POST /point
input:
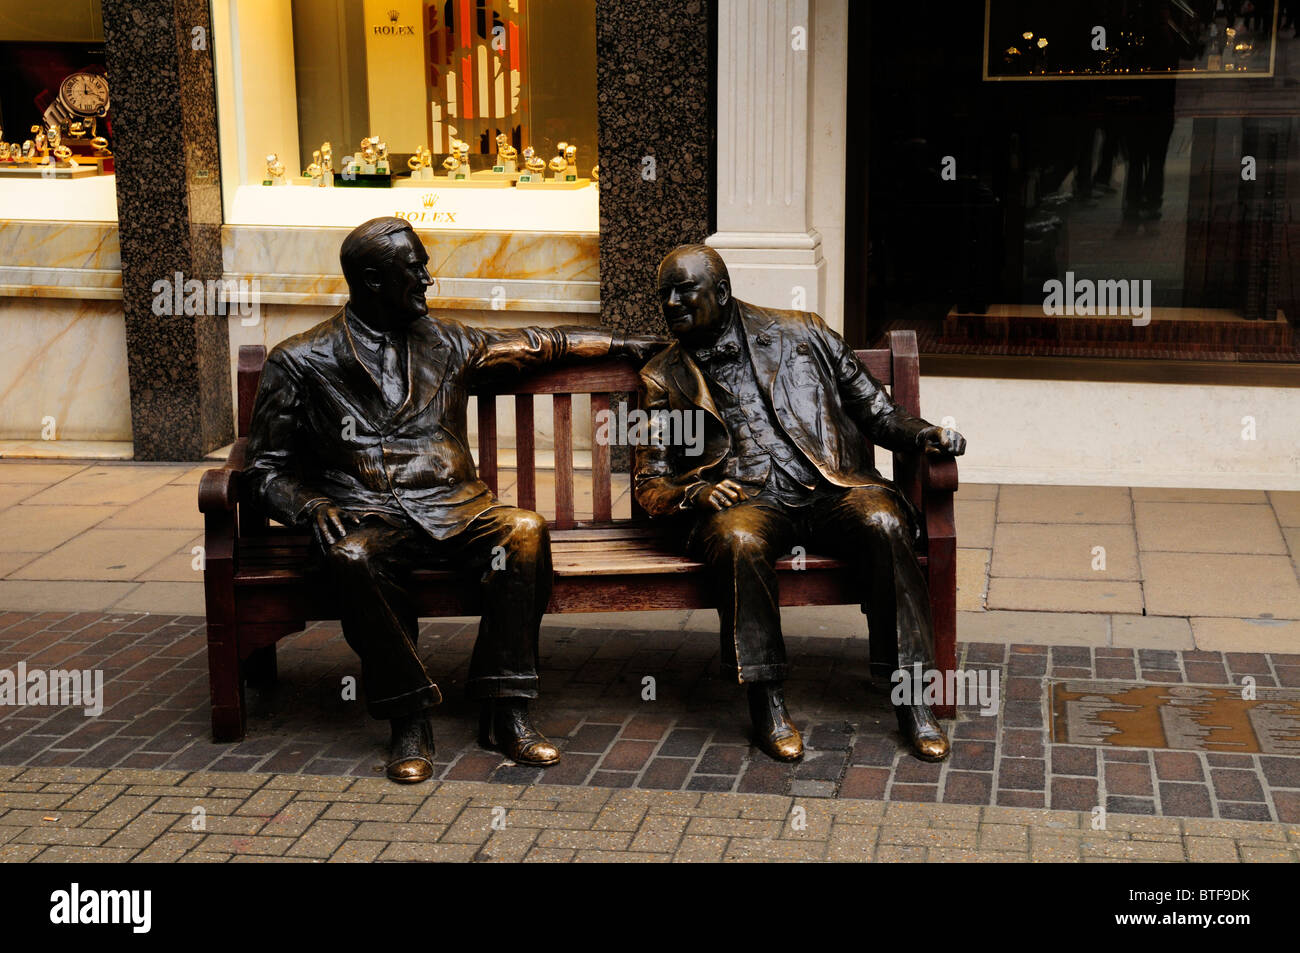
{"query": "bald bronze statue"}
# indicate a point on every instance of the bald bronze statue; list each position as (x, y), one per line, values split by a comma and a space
(788, 412)
(359, 433)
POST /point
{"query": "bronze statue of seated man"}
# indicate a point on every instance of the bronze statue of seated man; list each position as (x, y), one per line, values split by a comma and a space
(359, 432)
(788, 410)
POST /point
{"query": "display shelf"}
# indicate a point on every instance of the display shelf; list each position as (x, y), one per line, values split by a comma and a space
(86, 199)
(478, 209)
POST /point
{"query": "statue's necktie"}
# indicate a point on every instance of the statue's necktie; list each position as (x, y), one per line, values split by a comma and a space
(724, 352)
(392, 383)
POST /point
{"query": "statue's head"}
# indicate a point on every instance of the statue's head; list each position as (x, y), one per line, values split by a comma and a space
(695, 291)
(385, 265)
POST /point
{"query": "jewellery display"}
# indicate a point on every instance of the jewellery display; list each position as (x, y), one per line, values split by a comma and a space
(535, 165)
(560, 163)
(369, 166)
(421, 165)
(506, 155)
(459, 175)
(313, 170)
(66, 142)
(44, 156)
(457, 163)
(326, 164)
(564, 170)
(83, 99)
(274, 171)
(503, 166)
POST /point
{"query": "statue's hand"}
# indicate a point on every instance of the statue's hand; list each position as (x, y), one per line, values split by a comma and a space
(719, 496)
(942, 442)
(326, 521)
(640, 347)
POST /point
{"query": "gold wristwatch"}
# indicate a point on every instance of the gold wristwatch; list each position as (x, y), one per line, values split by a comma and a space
(83, 99)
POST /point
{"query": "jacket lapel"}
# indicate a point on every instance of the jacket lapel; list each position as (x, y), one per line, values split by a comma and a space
(690, 382)
(339, 358)
(427, 357)
(763, 335)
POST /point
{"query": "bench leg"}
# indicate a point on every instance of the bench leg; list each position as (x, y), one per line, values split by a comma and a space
(260, 668)
(226, 687)
(943, 610)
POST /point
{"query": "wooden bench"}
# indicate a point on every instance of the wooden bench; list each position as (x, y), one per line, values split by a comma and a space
(260, 584)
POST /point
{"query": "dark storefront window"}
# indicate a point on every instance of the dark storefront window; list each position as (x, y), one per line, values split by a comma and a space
(1085, 179)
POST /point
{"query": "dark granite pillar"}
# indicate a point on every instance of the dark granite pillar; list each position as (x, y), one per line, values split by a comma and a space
(654, 82)
(169, 214)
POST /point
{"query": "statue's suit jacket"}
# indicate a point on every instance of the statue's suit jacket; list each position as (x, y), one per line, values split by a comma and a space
(822, 396)
(321, 429)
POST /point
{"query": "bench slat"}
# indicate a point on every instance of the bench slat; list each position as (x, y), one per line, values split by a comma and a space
(563, 416)
(638, 511)
(601, 501)
(525, 451)
(589, 377)
(487, 440)
(880, 363)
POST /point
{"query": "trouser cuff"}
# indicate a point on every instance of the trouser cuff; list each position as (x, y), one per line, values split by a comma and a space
(502, 686)
(405, 705)
(746, 674)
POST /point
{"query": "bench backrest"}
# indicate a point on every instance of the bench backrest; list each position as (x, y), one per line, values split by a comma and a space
(897, 366)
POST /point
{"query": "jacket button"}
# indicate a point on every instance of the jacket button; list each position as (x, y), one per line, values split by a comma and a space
(451, 481)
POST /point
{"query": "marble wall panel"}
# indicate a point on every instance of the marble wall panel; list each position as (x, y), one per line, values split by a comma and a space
(60, 260)
(67, 360)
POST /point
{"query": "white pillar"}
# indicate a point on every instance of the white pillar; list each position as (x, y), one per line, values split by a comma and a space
(765, 231)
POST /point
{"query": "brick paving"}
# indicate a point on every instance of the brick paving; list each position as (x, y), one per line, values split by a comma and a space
(691, 738)
(88, 815)
(1196, 587)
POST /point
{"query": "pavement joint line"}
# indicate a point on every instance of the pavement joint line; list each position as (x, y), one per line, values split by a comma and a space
(947, 832)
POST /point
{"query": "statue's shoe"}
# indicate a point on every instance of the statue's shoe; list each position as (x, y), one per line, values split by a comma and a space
(923, 731)
(506, 726)
(411, 751)
(773, 731)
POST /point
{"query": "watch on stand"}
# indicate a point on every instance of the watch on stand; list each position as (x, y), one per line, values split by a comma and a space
(82, 101)
(504, 169)
(564, 169)
(274, 171)
(368, 167)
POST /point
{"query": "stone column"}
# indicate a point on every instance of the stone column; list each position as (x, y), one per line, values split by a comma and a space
(764, 211)
(169, 212)
(656, 167)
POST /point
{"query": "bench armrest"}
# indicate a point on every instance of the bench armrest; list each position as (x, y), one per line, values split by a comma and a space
(219, 487)
(219, 490)
(939, 475)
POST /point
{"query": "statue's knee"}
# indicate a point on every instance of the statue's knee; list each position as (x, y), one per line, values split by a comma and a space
(739, 542)
(881, 516)
(348, 555)
(527, 530)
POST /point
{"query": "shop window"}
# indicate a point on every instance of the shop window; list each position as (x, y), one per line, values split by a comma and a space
(56, 117)
(457, 114)
(1086, 179)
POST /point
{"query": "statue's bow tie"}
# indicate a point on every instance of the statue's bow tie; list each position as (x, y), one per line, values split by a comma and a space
(726, 351)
